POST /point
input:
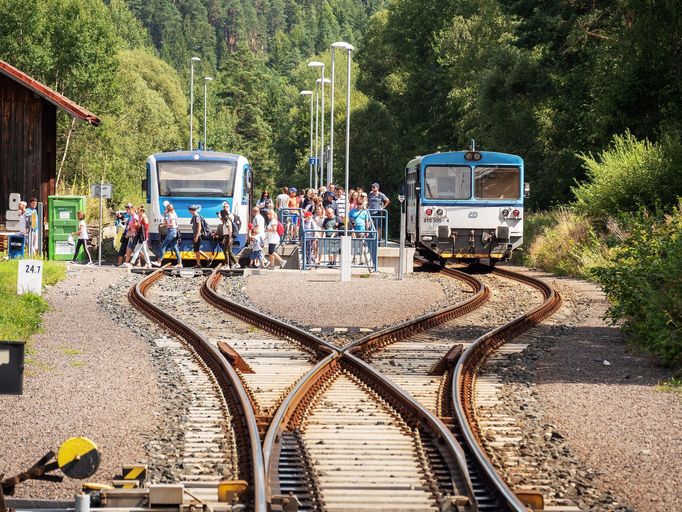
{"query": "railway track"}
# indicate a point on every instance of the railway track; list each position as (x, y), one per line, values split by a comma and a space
(222, 425)
(422, 361)
(345, 437)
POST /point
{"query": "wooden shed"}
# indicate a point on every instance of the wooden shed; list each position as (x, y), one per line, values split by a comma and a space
(28, 135)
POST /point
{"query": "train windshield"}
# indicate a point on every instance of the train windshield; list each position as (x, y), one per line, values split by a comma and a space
(497, 182)
(447, 182)
(191, 178)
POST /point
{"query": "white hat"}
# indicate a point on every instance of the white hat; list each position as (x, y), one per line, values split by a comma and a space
(165, 203)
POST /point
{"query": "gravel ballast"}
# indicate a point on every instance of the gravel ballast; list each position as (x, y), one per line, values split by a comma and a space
(87, 376)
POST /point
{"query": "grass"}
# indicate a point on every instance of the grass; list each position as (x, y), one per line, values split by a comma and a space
(21, 315)
(673, 385)
(71, 351)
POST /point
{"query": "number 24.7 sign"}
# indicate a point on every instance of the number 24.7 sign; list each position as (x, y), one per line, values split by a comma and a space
(30, 277)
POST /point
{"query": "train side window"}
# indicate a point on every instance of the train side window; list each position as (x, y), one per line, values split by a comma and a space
(447, 182)
(247, 185)
(497, 182)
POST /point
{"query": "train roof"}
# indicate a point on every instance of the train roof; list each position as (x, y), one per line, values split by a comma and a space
(458, 157)
(191, 155)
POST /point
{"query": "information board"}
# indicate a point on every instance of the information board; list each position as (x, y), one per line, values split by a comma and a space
(106, 191)
(30, 277)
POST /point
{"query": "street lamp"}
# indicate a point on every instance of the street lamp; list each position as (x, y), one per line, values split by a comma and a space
(317, 64)
(310, 158)
(191, 100)
(345, 240)
(206, 80)
(330, 167)
(321, 82)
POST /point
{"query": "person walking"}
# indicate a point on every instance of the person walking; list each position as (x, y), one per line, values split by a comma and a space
(82, 234)
(170, 223)
(273, 239)
(226, 235)
(195, 222)
(142, 237)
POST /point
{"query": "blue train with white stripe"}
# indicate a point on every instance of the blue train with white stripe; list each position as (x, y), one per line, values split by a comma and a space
(465, 205)
(204, 178)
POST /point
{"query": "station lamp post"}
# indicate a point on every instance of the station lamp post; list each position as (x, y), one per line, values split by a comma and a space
(330, 166)
(206, 80)
(321, 82)
(310, 157)
(345, 239)
(191, 100)
(317, 64)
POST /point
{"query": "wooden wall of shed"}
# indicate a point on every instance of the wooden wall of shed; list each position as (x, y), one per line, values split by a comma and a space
(28, 131)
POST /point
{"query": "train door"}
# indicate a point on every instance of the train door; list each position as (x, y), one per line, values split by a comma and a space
(411, 198)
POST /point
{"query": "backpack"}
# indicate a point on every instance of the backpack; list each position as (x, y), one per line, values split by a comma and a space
(280, 228)
(205, 228)
(236, 224)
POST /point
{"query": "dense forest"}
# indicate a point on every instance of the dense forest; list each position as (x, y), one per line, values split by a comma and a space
(588, 92)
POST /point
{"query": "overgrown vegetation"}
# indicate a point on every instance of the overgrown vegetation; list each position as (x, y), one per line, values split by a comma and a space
(625, 231)
(21, 315)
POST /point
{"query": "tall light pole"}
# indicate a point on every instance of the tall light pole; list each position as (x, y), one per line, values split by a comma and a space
(191, 100)
(310, 157)
(345, 240)
(330, 166)
(206, 80)
(317, 131)
(321, 82)
(317, 64)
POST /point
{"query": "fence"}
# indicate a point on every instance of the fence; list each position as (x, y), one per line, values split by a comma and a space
(321, 248)
(291, 219)
(380, 220)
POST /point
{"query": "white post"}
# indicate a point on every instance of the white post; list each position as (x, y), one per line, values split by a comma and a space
(317, 125)
(191, 100)
(206, 80)
(322, 131)
(330, 165)
(99, 258)
(346, 240)
(401, 259)
(310, 179)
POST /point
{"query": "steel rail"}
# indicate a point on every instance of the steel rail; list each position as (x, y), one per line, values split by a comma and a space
(230, 384)
(464, 377)
(380, 339)
(277, 327)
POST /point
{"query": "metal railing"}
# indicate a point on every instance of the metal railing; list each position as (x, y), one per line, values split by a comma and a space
(322, 249)
(380, 221)
(291, 219)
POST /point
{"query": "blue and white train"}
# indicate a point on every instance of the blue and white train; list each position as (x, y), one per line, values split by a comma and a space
(465, 205)
(203, 178)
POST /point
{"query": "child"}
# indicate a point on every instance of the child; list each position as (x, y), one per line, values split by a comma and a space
(256, 242)
(82, 238)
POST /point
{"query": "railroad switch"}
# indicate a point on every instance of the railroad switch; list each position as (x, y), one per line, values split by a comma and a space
(532, 499)
(455, 504)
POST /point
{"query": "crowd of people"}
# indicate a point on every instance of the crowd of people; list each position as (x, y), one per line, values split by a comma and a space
(321, 212)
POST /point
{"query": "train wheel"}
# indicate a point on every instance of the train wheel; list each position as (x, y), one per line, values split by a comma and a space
(441, 262)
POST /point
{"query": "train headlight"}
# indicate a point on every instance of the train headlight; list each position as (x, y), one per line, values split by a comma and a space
(428, 211)
(516, 213)
(505, 212)
(440, 212)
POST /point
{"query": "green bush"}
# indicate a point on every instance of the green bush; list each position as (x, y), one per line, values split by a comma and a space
(21, 315)
(563, 242)
(628, 175)
(643, 281)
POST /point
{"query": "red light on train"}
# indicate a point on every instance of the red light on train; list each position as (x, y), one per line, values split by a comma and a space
(516, 213)
(428, 211)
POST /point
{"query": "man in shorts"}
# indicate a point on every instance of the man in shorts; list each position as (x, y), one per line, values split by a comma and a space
(196, 232)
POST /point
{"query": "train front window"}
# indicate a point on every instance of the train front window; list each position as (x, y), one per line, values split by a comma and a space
(189, 178)
(497, 182)
(447, 182)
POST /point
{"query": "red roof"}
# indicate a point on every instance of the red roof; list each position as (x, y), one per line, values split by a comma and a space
(52, 96)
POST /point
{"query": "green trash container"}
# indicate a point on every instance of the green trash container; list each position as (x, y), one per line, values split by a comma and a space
(63, 221)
